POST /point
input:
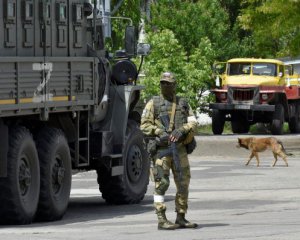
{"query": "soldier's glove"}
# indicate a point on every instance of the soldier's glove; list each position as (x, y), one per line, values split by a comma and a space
(163, 139)
(177, 135)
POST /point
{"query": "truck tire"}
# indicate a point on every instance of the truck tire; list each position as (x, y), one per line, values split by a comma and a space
(56, 174)
(240, 127)
(278, 120)
(131, 186)
(294, 122)
(239, 124)
(20, 189)
(218, 121)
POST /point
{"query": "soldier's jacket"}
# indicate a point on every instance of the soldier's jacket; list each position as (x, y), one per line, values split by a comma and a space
(184, 116)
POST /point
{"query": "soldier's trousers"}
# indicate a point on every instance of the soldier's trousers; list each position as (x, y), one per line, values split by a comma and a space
(163, 167)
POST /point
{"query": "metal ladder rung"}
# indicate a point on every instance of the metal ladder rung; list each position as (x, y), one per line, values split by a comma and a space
(115, 155)
(83, 139)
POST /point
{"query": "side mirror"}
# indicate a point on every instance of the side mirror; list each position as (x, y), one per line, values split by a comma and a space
(87, 9)
(130, 41)
(219, 68)
(143, 49)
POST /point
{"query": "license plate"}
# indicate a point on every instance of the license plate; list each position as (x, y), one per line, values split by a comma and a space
(245, 107)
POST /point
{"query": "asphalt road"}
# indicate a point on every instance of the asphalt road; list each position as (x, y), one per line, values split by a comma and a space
(227, 199)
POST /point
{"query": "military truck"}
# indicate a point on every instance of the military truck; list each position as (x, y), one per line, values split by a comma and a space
(64, 106)
(250, 91)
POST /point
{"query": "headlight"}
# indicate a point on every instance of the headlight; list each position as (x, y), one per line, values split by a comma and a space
(223, 96)
(264, 96)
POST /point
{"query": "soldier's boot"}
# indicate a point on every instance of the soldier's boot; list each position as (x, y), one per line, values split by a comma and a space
(164, 223)
(183, 223)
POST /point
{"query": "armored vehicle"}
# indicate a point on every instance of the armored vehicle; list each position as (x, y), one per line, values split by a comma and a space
(253, 91)
(65, 106)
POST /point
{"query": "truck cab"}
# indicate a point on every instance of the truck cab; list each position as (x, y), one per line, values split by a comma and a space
(251, 90)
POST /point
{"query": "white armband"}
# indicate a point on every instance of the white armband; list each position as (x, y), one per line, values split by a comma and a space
(158, 198)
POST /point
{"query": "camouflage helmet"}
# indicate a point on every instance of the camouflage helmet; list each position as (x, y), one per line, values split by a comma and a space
(168, 77)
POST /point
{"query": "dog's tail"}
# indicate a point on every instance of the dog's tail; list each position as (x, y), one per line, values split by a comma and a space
(283, 149)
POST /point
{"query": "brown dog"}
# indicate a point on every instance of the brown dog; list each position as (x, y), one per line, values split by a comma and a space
(256, 145)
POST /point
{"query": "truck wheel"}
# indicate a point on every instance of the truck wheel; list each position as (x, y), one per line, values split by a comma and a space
(20, 189)
(240, 127)
(278, 120)
(131, 186)
(294, 123)
(239, 124)
(218, 121)
(56, 174)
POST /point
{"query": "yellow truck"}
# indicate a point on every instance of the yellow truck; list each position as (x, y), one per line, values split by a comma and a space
(255, 90)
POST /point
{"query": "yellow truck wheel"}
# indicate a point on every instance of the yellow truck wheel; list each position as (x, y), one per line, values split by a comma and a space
(218, 121)
(278, 120)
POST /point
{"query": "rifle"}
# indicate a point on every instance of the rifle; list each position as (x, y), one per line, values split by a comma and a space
(171, 151)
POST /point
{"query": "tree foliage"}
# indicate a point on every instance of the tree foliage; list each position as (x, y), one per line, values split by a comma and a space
(129, 9)
(275, 25)
(186, 38)
(190, 21)
(167, 54)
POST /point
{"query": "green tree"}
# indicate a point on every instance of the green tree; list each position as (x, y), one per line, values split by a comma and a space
(167, 54)
(198, 74)
(129, 9)
(190, 21)
(186, 38)
(275, 25)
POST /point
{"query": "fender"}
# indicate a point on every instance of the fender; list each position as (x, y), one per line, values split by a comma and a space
(126, 97)
(111, 131)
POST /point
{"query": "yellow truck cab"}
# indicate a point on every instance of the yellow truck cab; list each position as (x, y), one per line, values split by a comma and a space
(269, 72)
(253, 90)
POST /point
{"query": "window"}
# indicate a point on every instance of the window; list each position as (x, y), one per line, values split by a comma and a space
(239, 69)
(264, 69)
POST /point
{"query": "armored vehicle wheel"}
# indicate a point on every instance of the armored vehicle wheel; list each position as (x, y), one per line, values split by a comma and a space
(56, 174)
(294, 123)
(20, 189)
(278, 120)
(131, 186)
(218, 121)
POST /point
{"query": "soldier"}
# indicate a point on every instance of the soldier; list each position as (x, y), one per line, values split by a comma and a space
(181, 123)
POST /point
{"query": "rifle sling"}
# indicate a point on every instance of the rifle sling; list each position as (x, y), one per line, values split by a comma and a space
(171, 125)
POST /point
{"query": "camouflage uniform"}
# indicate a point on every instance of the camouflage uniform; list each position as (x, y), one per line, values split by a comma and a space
(184, 122)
